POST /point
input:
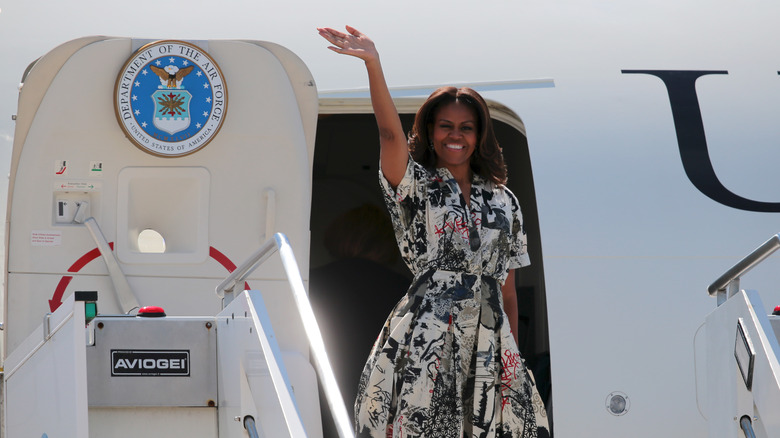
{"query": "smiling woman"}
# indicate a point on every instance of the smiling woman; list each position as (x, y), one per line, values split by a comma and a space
(446, 362)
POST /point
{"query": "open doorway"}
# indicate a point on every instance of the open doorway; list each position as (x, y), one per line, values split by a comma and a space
(345, 178)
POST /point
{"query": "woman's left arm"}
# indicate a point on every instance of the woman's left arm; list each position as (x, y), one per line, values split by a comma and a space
(509, 295)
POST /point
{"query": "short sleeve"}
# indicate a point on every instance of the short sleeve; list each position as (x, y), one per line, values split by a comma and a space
(404, 201)
(518, 242)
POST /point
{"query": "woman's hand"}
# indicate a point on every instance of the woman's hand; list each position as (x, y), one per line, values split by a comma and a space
(393, 150)
(354, 43)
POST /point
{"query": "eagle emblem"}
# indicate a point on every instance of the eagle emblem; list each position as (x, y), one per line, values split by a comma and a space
(171, 76)
(171, 98)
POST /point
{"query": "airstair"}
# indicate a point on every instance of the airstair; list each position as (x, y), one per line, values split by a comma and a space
(55, 381)
(742, 366)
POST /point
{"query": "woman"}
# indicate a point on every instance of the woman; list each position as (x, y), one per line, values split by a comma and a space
(446, 363)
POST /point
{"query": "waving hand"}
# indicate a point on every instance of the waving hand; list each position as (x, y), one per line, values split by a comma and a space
(394, 151)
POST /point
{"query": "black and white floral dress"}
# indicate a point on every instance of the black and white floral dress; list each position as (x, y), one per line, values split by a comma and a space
(445, 364)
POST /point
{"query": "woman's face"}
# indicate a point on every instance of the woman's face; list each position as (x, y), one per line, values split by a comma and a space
(454, 136)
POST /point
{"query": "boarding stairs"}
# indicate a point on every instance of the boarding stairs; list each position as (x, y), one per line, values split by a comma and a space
(72, 376)
(742, 363)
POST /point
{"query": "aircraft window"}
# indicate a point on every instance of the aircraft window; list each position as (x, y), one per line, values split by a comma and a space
(150, 241)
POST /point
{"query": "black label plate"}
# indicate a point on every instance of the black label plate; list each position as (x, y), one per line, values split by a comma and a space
(150, 363)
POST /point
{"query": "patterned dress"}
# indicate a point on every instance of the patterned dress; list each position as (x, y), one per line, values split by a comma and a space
(445, 363)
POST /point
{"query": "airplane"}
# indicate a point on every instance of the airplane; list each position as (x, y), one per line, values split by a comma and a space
(644, 169)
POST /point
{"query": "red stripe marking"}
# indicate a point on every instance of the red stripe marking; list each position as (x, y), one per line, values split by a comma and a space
(56, 300)
(59, 291)
(224, 261)
(86, 258)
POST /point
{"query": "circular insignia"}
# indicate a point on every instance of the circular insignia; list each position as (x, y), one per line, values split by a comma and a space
(170, 98)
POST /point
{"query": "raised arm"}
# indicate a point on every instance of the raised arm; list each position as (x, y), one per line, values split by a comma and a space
(394, 151)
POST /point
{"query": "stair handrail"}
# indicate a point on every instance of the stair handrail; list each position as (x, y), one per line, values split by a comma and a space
(226, 289)
(251, 427)
(279, 243)
(747, 427)
(730, 279)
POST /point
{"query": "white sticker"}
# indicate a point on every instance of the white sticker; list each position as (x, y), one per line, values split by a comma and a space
(95, 167)
(46, 238)
(77, 186)
(61, 167)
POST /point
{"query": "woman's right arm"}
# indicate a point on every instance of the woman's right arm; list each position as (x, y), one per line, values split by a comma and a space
(394, 151)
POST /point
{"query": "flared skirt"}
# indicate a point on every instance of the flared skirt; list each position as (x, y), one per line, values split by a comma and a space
(446, 365)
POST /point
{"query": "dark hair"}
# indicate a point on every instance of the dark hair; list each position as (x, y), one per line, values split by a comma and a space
(487, 160)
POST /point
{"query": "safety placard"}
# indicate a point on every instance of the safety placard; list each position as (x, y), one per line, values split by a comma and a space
(45, 238)
(77, 186)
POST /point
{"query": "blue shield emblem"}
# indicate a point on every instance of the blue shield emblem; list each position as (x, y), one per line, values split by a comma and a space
(171, 110)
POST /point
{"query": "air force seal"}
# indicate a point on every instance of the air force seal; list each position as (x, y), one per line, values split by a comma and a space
(170, 98)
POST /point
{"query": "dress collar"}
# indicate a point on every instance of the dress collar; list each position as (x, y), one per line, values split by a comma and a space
(446, 175)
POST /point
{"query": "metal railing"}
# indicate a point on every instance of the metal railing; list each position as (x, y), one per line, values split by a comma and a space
(251, 427)
(226, 290)
(747, 427)
(729, 281)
